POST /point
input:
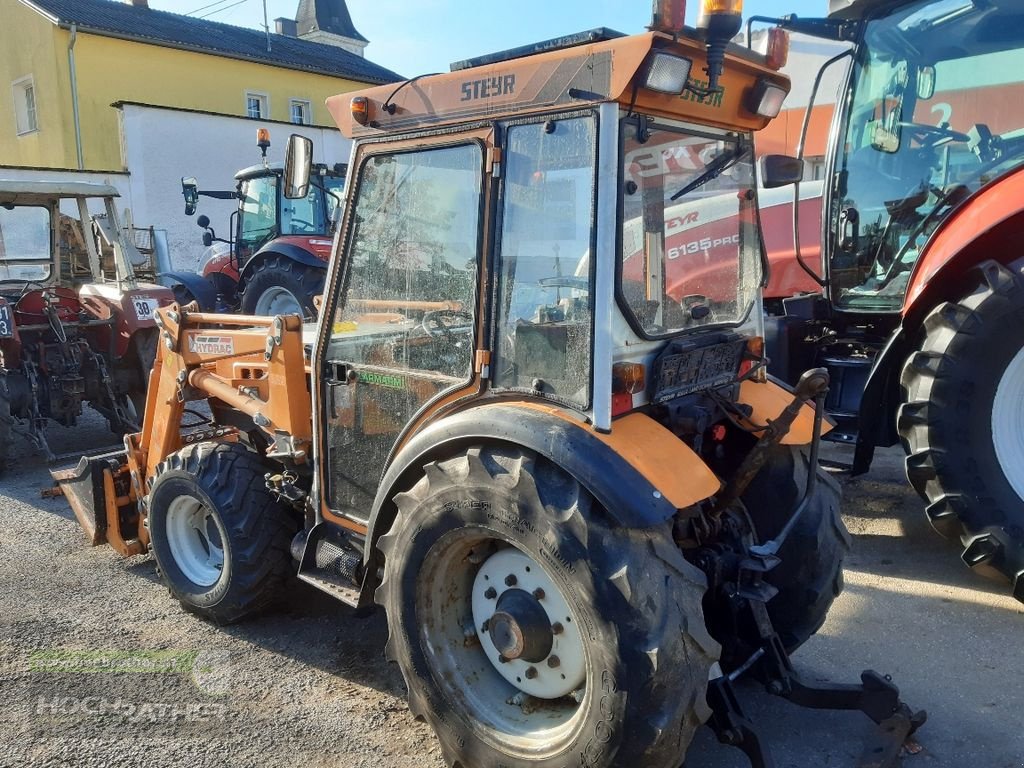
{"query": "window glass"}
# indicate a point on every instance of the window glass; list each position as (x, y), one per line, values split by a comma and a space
(25, 250)
(300, 112)
(412, 263)
(690, 251)
(304, 216)
(258, 211)
(545, 301)
(256, 106)
(935, 115)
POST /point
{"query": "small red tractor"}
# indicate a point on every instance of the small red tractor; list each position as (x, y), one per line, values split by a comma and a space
(275, 259)
(914, 301)
(583, 504)
(76, 324)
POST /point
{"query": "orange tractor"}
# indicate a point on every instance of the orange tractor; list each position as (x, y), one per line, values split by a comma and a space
(584, 506)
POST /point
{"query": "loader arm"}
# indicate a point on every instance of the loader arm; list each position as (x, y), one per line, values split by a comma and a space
(250, 364)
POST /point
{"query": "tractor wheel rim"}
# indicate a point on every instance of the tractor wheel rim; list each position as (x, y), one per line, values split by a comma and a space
(1008, 423)
(472, 614)
(195, 541)
(278, 301)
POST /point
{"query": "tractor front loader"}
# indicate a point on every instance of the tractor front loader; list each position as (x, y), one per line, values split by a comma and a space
(558, 464)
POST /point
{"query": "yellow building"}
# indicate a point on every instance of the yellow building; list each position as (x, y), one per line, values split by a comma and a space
(64, 63)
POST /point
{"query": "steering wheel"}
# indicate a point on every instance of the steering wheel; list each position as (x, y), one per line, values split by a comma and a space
(434, 326)
(307, 226)
(932, 135)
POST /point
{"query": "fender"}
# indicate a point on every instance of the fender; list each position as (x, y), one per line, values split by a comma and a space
(987, 225)
(289, 250)
(640, 472)
(201, 287)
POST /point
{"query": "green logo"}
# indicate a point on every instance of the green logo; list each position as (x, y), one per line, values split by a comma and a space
(382, 380)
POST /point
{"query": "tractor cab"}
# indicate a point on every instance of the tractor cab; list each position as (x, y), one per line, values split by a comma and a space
(276, 247)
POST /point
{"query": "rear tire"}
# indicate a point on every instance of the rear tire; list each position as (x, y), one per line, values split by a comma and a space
(962, 422)
(644, 654)
(810, 576)
(279, 285)
(220, 539)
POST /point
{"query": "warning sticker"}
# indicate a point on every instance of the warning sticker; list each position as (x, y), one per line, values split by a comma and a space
(211, 345)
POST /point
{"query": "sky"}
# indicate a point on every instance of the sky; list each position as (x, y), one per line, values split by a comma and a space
(415, 37)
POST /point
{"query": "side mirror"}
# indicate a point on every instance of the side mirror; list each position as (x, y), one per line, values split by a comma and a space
(190, 191)
(780, 170)
(925, 82)
(298, 160)
(203, 221)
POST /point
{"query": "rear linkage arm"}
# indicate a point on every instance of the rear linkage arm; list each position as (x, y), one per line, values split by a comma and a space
(876, 695)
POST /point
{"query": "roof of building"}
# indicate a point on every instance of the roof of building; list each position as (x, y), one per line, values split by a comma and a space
(147, 25)
(328, 16)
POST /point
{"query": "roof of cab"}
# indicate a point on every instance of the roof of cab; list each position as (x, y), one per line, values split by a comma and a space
(28, 192)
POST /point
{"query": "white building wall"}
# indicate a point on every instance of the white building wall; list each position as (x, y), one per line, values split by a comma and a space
(161, 145)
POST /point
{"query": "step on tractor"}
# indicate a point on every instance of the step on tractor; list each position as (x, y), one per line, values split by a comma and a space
(275, 258)
(77, 324)
(919, 317)
(583, 505)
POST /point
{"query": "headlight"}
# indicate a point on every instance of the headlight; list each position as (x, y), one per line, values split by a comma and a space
(766, 99)
(667, 73)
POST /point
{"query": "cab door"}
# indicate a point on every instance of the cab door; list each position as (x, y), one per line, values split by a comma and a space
(403, 314)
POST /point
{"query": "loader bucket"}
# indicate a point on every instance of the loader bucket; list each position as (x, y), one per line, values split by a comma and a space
(83, 486)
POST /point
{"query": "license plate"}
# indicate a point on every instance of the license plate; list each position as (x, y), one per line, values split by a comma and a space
(6, 326)
(698, 369)
(145, 309)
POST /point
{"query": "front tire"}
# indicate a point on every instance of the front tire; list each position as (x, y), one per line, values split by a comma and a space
(220, 539)
(962, 422)
(280, 286)
(626, 688)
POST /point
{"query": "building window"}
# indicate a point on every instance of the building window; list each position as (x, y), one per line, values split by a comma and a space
(25, 105)
(256, 106)
(301, 111)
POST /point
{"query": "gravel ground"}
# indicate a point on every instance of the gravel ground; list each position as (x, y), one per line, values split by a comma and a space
(99, 667)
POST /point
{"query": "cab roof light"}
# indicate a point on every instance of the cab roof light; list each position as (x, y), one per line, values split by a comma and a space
(777, 53)
(765, 99)
(360, 107)
(668, 16)
(667, 73)
(263, 140)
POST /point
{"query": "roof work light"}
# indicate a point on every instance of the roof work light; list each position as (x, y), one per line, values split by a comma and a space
(719, 21)
(360, 107)
(667, 73)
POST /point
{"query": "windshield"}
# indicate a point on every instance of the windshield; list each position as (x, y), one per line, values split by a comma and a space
(258, 213)
(690, 251)
(25, 252)
(937, 112)
(312, 214)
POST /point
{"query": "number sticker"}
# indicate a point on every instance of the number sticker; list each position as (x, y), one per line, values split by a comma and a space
(145, 309)
(6, 328)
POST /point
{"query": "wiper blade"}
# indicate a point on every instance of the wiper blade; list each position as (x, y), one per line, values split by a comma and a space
(713, 170)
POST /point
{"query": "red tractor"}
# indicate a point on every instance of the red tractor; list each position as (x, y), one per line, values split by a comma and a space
(918, 312)
(275, 260)
(76, 325)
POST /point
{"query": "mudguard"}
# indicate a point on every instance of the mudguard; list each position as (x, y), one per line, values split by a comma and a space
(278, 248)
(204, 290)
(640, 476)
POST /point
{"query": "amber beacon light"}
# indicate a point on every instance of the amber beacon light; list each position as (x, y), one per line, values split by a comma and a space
(719, 21)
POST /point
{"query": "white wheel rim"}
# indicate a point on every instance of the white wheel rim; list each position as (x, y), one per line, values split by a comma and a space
(278, 301)
(195, 541)
(528, 716)
(1008, 423)
(560, 672)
